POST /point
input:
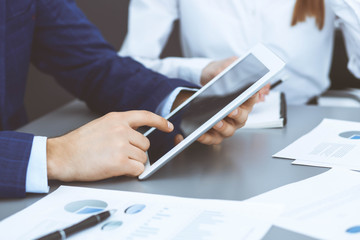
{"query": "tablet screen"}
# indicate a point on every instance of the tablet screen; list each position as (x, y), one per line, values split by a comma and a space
(214, 98)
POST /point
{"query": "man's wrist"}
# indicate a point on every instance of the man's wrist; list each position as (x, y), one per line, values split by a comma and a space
(53, 152)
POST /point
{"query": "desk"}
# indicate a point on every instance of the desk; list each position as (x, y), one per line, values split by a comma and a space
(241, 168)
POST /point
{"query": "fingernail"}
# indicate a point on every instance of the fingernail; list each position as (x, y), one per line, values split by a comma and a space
(219, 124)
(235, 112)
(170, 125)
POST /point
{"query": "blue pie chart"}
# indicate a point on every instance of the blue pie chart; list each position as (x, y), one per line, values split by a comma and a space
(353, 135)
(86, 206)
(136, 208)
(111, 225)
(353, 230)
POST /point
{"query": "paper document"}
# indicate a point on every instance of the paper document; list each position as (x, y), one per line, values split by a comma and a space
(268, 114)
(326, 206)
(140, 216)
(332, 143)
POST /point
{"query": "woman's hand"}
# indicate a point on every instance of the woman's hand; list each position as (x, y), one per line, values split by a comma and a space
(214, 68)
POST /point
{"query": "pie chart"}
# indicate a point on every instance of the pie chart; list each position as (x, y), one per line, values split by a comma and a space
(353, 135)
(86, 206)
(134, 209)
(111, 225)
(353, 230)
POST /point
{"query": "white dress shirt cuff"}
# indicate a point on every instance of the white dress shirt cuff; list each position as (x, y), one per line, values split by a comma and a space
(36, 176)
(165, 106)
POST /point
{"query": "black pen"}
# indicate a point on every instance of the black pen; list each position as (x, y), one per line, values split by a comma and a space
(87, 223)
(275, 84)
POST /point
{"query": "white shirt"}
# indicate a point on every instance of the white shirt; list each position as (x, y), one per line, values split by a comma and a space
(216, 29)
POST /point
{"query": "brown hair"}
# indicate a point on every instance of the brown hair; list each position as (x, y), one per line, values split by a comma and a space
(309, 8)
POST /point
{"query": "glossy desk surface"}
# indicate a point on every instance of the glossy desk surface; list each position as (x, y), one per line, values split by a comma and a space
(240, 168)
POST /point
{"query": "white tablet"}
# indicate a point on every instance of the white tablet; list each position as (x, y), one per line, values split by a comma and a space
(211, 103)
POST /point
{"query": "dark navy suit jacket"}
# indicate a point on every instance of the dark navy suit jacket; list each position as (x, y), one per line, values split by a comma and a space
(58, 39)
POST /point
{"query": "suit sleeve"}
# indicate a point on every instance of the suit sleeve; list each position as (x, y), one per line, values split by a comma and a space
(15, 150)
(67, 46)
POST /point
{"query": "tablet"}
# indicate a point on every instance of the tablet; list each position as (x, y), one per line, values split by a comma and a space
(210, 104)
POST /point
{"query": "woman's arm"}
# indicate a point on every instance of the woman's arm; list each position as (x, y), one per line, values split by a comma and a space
(150, 25)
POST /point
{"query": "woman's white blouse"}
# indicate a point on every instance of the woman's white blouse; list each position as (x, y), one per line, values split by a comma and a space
(216, 29)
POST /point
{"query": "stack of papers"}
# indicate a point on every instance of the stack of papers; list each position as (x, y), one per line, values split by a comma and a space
(140, 216)
(333, 143)
(268, 114)
(325, 206)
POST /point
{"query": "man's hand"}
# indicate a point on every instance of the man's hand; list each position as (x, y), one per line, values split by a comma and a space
(106, 147)
(214, 68)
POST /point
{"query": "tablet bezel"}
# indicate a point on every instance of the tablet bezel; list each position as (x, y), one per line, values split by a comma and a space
(272, 62)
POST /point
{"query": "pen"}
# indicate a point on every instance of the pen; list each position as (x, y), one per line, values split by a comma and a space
(87, 223)
(275, 84)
